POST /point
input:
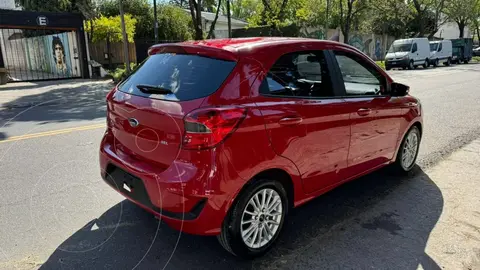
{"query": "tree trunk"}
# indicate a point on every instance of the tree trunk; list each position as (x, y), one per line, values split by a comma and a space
(90, 38)
(212, 26)
(196, 13)
(348, 22)
(461, 28)
(478, 33)
(110, 66)
(229, 19)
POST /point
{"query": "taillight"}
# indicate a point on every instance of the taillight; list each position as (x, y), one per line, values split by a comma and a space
(207, 127)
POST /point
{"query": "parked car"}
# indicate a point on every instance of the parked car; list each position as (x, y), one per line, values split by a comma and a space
(440, 52)
(476, 51)
(408, 53)
(223, 137)
(462, 50)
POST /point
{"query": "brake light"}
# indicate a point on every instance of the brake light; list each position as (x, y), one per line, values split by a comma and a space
(206, 128)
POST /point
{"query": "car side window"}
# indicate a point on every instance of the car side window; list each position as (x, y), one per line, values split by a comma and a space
(440, 47)
(414, 47)
(360, 78)
(299, 74)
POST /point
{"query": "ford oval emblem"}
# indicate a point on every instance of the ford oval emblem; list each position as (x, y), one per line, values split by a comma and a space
(133, 122)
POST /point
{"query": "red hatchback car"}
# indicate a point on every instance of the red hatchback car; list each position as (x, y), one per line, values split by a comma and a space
(223, 137)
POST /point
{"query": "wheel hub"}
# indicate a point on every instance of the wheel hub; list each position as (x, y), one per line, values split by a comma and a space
(261, 218)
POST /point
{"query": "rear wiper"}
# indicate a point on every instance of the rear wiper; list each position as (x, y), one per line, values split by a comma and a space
(152, 89)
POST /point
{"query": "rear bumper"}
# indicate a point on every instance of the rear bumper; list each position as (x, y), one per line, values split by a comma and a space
(175, 195)
(396, 63)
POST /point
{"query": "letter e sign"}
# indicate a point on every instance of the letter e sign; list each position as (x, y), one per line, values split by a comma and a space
(42, 20)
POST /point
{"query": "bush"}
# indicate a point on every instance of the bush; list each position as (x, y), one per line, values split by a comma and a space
(381, 64)
(476, 58)
(120, 73)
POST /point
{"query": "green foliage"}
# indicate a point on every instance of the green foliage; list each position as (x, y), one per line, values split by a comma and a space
(139, 9)
(174, 23)
(120, 73)
(380, 64)
(111, 27)
(241, 9)
(86, 7)
(311, 13)
(390, 17)
(276, 13)
(462, 11)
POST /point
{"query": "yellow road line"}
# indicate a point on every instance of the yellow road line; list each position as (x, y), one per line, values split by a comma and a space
(51, 133)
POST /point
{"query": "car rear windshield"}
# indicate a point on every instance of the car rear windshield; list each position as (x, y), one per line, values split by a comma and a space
(181, 76)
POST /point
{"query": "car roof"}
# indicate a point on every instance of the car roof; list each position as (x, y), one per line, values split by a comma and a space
(251, 45)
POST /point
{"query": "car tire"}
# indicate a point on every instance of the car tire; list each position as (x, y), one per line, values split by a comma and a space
(448, 63)
(404, 68)
(465, 61)
(388, 68)
(411, 65)
(408, 151)
(436, 63)
(426, 64)
(231, 236)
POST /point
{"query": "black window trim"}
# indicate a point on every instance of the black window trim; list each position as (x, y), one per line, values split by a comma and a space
(330, 66)
(341, 84)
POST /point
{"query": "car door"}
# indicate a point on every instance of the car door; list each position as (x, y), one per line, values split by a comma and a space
(416, 57)
(375, 116)
(306, 120)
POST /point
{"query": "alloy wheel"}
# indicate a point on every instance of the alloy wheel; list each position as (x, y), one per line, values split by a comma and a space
(409, 151)
(261, 218)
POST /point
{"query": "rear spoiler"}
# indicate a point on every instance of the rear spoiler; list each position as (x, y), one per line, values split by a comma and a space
(185, 48)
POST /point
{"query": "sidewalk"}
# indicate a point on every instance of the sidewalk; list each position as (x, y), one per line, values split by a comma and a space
(454, 243)
(428, 221)
(26, 94)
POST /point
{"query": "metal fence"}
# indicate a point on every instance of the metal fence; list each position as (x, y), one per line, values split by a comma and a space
(40, 54)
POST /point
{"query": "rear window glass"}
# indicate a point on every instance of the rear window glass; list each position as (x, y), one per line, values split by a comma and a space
(186, 76)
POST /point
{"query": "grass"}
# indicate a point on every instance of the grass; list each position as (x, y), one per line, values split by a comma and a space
(381, 64)
(476, 58)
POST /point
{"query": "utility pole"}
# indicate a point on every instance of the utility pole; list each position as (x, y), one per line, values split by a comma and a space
(125, 40)
(326, 20)
(155, 20)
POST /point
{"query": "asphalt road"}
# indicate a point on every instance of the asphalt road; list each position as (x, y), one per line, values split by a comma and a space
(56, 212)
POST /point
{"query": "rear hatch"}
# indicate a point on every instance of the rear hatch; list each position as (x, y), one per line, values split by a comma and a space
(146, 111)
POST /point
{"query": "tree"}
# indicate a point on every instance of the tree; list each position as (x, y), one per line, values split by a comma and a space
(109, 29)
(196, 13)
(462, 12)
(212, 26)
(174, 23)
(389, 17)
(139, 9)
(349, 11)
(241, 9)
(274, 13)
(86, 7)
(427, 16)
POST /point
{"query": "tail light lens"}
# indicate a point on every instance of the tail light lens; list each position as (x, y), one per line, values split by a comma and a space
(206, 128)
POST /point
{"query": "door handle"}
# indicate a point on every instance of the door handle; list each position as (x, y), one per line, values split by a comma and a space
(290, 121)
(364, 112)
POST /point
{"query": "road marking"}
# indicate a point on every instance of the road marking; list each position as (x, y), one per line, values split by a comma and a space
(51, 133)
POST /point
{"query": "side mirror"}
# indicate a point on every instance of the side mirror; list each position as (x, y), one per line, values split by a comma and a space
(399, 89)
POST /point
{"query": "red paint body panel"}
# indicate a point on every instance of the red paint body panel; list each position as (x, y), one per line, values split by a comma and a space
(331, 144)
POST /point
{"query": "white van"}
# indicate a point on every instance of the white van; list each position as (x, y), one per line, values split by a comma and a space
(408, 53)
(440, 52)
